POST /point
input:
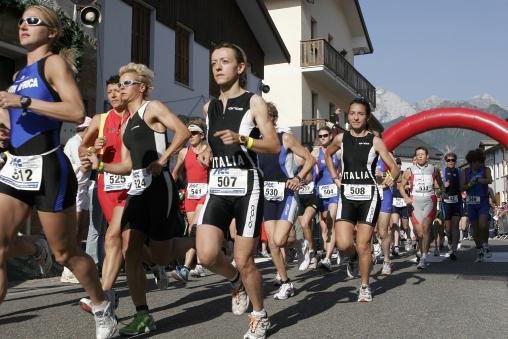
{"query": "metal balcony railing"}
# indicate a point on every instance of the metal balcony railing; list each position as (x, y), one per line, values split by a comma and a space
(318, 52)
(310, 128)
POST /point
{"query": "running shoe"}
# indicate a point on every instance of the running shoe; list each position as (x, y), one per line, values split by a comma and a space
(86, 303)
(285, 291)
(265, 254)
(340, 259)
(258, 325)
(364, 294)
(105, 321)
(352, 267)
(160, 276)
(180, 273)
(479, 255)
(486, 251)
(326, 264)
(306, 261)
(142, 323)
(302, 248)
(376, 253)
(387, 268)
(44, 259)
(68, 277)
(396, 251)
(313, 261)
(409, 245)
(239, 301)
(198, 271)
(459, 246)
(421, 264)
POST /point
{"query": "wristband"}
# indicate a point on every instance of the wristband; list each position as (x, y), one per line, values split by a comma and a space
(100, 168)
(250, 142)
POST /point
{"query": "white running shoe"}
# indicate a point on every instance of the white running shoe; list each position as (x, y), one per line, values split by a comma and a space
(105, 321)
(160, 276)
(86, 304)
(285, 291)
(257, 327)
(352, 268)
(198, 271)
(364, 294)
(387, 268)
(68, 277)
(422, 263)
(376, 254)
(44, 260)
(326, 264)
(306, 261)
(239, 301)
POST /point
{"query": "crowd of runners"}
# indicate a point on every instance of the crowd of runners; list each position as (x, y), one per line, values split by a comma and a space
(239, 176)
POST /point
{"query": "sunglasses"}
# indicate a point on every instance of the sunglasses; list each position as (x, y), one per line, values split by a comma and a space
(195, 133)
(323, 135)
(32, 21)
(127, 83)
(451, 160)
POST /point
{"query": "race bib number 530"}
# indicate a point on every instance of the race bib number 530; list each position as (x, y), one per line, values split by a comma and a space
(22, 172)
(228, 181)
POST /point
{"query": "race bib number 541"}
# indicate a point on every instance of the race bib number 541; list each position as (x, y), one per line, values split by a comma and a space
(228, 181)
(22, 172)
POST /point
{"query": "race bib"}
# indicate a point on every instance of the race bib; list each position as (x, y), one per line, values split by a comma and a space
(327, 191)
(22, 172)
(141, 180)
(307, 189)
(196, 190)
(116, 182)
(452, 199)
(228, 181)
(399, 202)
(423, 183)
(274, 190)
(358, 192)
(472, 200)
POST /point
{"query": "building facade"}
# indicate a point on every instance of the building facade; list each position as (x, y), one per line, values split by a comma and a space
(323, 38)
(496, 158)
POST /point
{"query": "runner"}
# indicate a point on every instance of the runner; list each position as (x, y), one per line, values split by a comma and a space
(151, 210)
(400, 215)
(306, 212)
(235, 183)
(360, 197)
(475, 181)
(43, 95)
(280, 206)
(423, 179)
(327, 195)
(190, 161)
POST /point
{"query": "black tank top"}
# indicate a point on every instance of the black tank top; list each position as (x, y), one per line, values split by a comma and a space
(144, 144)
(236, 117)
(359, 159)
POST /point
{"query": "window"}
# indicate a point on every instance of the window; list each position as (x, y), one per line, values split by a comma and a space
(140, 43)
(313, 28)
(182, 54)
(331, 112)
(314, 105)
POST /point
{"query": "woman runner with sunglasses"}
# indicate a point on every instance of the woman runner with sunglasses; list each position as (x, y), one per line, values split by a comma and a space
(360, 197)
(451, 202)
(327, 195)
(43, 95)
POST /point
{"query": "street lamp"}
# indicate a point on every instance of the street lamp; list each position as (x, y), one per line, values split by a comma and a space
(89, 15)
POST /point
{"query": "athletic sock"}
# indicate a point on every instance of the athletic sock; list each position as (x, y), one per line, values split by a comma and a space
(260, 314)
(236, 282)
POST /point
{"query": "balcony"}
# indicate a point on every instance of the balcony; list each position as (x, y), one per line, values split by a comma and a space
(320, 60)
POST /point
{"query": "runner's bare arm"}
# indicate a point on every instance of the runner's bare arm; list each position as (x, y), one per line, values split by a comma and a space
(330, 151)
(179, 162)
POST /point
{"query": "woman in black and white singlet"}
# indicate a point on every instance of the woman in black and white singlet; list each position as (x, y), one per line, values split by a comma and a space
(235, 185)
(152, 207)
(360, 198)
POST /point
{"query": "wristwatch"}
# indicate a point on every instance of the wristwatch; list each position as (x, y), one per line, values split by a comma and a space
(25, 102)
(243, 139)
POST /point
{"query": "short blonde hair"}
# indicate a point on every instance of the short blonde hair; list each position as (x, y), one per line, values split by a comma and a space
(143, 74)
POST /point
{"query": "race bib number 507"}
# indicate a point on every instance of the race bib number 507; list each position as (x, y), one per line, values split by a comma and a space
(228, 181)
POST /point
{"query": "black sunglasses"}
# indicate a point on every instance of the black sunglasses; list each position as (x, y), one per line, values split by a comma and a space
(323, 135)
(127, 83)
(32, 21)
(451, 160)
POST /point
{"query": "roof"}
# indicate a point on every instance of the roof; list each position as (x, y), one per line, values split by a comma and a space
(262, 26)
(407, 149)
(367, 37)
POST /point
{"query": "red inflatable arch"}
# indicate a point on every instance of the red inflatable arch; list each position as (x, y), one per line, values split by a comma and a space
(451, 117)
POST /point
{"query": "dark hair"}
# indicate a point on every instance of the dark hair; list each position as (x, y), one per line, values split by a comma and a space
(475, 155)
(325, 128)
(113, 80)
(423, 148)
(272, 109)
(450, 154)
(308, 146)
(240, 57)
(398, 161)
(361, 101)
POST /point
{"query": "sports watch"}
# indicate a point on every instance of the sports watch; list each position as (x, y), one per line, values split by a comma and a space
(25, 102)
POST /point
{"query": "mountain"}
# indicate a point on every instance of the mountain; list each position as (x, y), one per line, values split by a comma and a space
(391, 108)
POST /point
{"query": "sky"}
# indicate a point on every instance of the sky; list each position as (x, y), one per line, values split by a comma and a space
(454, 49)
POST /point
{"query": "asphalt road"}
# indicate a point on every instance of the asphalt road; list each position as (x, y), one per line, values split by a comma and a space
(448, 299)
